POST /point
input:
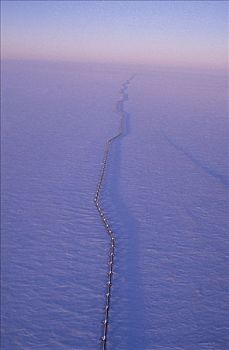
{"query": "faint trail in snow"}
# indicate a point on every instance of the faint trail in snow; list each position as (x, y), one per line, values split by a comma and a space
(120, 110)
(222, 178)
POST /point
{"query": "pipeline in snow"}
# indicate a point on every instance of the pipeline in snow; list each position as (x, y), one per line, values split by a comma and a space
(120, 110)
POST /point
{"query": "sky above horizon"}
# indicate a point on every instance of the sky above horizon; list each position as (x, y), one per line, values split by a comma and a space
(173, 33)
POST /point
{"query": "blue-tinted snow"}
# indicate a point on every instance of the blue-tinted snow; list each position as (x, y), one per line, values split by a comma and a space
(165, 196)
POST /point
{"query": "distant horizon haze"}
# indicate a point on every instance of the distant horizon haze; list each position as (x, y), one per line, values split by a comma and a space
(168, 33)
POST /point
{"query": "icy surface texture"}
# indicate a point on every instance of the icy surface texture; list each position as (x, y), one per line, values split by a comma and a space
(165, 195)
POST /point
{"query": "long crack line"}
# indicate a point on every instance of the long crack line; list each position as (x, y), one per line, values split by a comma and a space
(120, 110)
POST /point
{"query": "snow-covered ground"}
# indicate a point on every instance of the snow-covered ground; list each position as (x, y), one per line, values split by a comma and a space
(165, 194)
